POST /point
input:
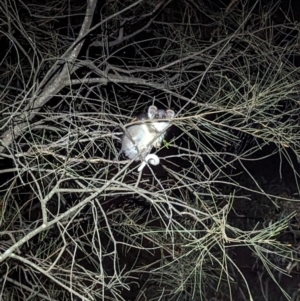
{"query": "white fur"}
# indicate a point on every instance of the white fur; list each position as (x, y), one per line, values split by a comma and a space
(144, 137)
(150, 159)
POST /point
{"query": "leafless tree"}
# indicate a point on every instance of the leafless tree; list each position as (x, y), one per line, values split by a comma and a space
(78, 221)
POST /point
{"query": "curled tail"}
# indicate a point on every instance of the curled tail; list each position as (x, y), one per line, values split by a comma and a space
(149, 159)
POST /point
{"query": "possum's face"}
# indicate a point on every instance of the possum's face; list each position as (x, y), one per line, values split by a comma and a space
(160, 126)
(154, 113)
(164, 114)
(161, 114)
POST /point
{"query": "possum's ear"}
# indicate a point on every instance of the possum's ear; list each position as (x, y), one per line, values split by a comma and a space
(152, 111)
(170, 114)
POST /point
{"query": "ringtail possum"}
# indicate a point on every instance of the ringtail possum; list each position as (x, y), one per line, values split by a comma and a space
(150, 130)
